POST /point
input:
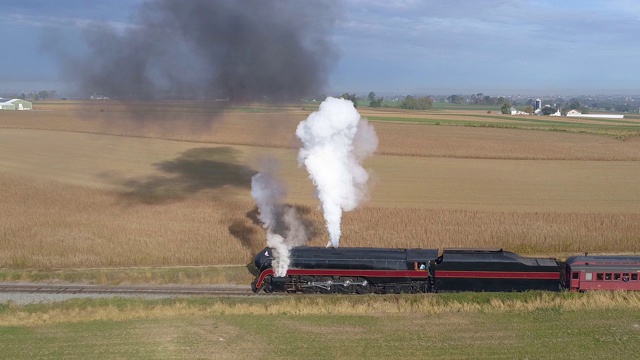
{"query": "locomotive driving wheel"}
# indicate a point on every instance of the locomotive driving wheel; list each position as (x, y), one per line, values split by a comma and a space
(364, 287)
(268, 288)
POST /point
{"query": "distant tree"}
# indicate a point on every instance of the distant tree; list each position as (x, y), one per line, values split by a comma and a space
(425, 103)
(528, 109)
(488, 100)
(352, 97)
(506, 108)
(23, 96)
(500, 100)
(455, 99)
(621, 108)
(548, 110)
(409, 102)
(477, 98)
(373, 102)
(422, 103)
(42, 95)
(574, 104)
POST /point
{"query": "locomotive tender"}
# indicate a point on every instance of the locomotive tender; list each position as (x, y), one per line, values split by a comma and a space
(379, 270)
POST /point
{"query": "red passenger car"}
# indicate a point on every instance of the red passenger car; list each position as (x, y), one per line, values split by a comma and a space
(585, 273)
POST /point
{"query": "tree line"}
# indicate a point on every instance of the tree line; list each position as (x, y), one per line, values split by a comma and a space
(409, 102)
(33, 95)
(549, 105)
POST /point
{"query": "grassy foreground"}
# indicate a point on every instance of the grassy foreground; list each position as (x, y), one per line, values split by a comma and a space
(458, 326)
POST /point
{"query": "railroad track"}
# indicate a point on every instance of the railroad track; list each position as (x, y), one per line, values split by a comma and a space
(214, 290)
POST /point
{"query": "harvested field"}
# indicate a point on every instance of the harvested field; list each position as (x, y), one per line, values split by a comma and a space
(60, 226)
(85, 188)
(275, 127)
(174, 169)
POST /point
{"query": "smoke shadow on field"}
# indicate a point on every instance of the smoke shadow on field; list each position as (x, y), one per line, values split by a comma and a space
(250, 235)
(194, 170)
(249, 232)
(195, 116)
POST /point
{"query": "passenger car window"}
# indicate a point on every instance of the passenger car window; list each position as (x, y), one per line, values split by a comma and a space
(575, 276)
(589, 276)
(600, 276)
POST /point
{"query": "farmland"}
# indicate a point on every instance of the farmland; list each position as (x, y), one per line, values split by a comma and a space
(101, 184)
(107, 193)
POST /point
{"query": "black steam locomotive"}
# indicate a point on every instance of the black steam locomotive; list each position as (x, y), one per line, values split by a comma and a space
(366, 270)
(377, 270)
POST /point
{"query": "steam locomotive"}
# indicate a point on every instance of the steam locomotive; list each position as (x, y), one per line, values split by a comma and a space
(379, 270)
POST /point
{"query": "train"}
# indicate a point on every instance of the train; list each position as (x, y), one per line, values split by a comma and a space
(395, 271)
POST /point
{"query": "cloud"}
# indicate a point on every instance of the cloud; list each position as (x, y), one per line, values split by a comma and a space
(489, 21)
(43, 21)
(419, 43)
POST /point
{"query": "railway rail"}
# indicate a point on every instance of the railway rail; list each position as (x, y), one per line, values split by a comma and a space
(213, 290)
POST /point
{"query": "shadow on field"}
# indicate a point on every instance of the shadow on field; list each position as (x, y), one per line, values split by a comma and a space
(194, 170)
(252, 236)
(249, 232)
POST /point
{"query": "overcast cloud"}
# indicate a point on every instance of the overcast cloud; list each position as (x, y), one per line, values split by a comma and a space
(410, 46)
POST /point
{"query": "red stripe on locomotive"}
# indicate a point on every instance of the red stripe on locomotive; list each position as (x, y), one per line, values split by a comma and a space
(349, 273)
(497, 275)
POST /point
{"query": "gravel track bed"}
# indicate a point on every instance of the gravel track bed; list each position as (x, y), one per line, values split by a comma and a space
(33, 293)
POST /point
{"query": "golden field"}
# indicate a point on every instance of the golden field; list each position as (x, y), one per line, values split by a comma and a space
(90, 184)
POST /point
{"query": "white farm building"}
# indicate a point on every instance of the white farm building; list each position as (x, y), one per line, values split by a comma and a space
(15, 104)
(576, 113)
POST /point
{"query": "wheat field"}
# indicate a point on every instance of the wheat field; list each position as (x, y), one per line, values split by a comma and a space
(91, 185)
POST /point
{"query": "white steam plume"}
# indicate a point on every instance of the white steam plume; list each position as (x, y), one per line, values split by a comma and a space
(335, 142)
(285, 228)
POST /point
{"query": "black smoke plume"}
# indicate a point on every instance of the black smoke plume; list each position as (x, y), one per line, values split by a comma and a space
(241, 50)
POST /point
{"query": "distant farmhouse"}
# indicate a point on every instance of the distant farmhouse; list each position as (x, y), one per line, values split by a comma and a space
(15, 104)
(538, 110)
(515, 111)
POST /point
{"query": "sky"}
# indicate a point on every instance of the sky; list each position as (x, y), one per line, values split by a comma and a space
(496, 47)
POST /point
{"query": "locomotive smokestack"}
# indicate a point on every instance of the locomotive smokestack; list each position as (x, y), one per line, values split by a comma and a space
(336, 140)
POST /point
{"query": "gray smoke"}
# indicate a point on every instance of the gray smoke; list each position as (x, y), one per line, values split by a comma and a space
(268, 50)
(285, 228)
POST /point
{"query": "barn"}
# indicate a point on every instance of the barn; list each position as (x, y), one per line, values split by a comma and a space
(15, 104)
